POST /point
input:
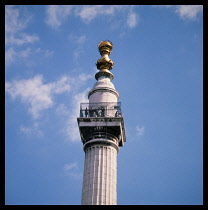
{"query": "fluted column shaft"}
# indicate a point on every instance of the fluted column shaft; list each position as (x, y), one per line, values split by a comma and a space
(100, 180)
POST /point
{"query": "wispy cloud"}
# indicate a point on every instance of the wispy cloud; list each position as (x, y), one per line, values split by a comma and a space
(70, 166)
(11, 54)
(31, 130)
(45, 53)
(132, 20)
(79, 40)
(72, 170)
(139, 130)
(189, 12)
(71, 130)
(88, 13)
(36, 94)
(15, 23)
(18, 41)
(57, 14)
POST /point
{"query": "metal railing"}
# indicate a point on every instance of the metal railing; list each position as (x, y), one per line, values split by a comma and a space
(102, 109)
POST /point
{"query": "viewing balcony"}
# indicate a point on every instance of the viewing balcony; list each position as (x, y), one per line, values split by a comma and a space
(102, 109)
(102, 121)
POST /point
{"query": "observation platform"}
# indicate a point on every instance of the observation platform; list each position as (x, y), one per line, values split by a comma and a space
(102, 120)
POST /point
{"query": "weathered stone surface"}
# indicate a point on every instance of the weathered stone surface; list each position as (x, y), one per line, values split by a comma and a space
(100, 180)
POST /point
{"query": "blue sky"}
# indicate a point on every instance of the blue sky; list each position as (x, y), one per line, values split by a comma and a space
(50, 56)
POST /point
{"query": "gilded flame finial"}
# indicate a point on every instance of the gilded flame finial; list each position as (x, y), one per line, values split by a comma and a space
(104, 64)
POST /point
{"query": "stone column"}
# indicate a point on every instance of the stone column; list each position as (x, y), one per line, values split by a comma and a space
(100, 181)
(101, 135)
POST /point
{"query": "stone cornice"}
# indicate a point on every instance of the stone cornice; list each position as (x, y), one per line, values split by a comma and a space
(103, 89)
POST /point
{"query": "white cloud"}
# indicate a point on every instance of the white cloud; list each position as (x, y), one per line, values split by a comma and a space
(184, 11)
(84, 77)
(88, 13)
(17, 40)
(76, 54)
(62, 85)
(37, 95)
(56, 14)
(72, 170)
(45, 53)
(139, 130)
(20, 39)
(70, 166)
(79, 40)
(10, 55)
(132, 20)
(189, 11)
(31, 130)
(63, 110)
(71, 130)
(24, 53)
(15, 22)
